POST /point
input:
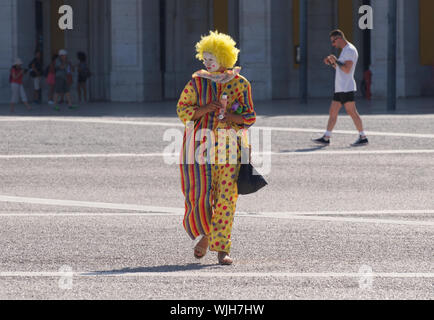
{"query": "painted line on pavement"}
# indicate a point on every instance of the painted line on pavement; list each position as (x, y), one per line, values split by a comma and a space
(93, 120)
(176, 156)
(354, 220)
(150, 210)
(421, 223)
(88, 214)
(346, 152)
(86, 155)
(177, 124)
(87, 204)
(376, 116)
(368, 133)
(177, 274)
(179, 211)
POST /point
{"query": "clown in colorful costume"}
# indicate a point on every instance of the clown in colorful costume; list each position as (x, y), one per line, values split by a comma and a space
(209, 183)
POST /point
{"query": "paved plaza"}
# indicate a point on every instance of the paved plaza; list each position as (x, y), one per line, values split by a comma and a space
(90, 208)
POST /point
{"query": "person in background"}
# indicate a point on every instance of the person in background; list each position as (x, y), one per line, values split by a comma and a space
(50, 74)
(35, 68)
(63, 82)
(83, 75)
(16, 80)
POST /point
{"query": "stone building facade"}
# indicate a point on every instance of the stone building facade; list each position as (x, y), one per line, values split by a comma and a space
(143, 50)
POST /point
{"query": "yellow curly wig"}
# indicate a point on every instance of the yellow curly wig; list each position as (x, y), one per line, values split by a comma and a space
(221, 46)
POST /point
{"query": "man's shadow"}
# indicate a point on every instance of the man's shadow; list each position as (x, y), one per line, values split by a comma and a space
(317, 148)
(156, 269)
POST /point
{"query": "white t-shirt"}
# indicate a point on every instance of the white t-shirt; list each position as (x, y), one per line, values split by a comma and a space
(344, 82)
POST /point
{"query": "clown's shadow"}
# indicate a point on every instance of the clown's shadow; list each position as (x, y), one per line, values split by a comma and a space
(156, 269)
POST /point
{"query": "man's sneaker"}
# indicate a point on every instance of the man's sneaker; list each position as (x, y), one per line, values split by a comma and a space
(50, 102)
(57, 108)
(360, 142)
(323, 140)
(73, 107)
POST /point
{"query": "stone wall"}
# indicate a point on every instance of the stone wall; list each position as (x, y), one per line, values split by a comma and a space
(186, 22)
(18, 39)
(8, 48)
(123, 42)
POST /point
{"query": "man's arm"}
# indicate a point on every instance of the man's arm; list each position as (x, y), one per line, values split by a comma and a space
(345, 67)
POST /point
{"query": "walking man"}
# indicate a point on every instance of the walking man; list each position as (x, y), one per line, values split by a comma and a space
(345, 87)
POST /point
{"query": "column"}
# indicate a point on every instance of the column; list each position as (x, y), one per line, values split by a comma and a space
(321, 20)
(379, 49)
(135, 51)
(281, 47)
(255, 45)
(151, 51)
(99, 50)
(8, 49)
(18, 39)
(186, 22)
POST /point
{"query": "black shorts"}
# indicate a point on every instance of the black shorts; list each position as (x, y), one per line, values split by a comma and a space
(344, 97)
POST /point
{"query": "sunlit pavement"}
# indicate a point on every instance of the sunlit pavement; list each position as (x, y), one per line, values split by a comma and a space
(90, 208)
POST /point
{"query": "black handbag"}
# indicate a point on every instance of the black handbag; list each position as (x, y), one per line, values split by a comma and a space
(249, 180)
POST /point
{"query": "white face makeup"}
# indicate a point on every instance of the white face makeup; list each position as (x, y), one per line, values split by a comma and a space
(210, 62)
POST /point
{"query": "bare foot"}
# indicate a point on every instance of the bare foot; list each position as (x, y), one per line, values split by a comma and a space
(224, 258)
(201, 248)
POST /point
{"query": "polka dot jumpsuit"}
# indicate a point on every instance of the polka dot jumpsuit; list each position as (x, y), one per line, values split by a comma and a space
(210, 189)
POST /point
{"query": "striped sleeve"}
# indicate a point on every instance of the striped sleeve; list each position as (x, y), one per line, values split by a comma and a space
(245, 99)
(187, 103)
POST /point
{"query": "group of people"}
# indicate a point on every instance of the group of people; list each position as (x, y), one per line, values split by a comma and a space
(58, 77)
(206, 104)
